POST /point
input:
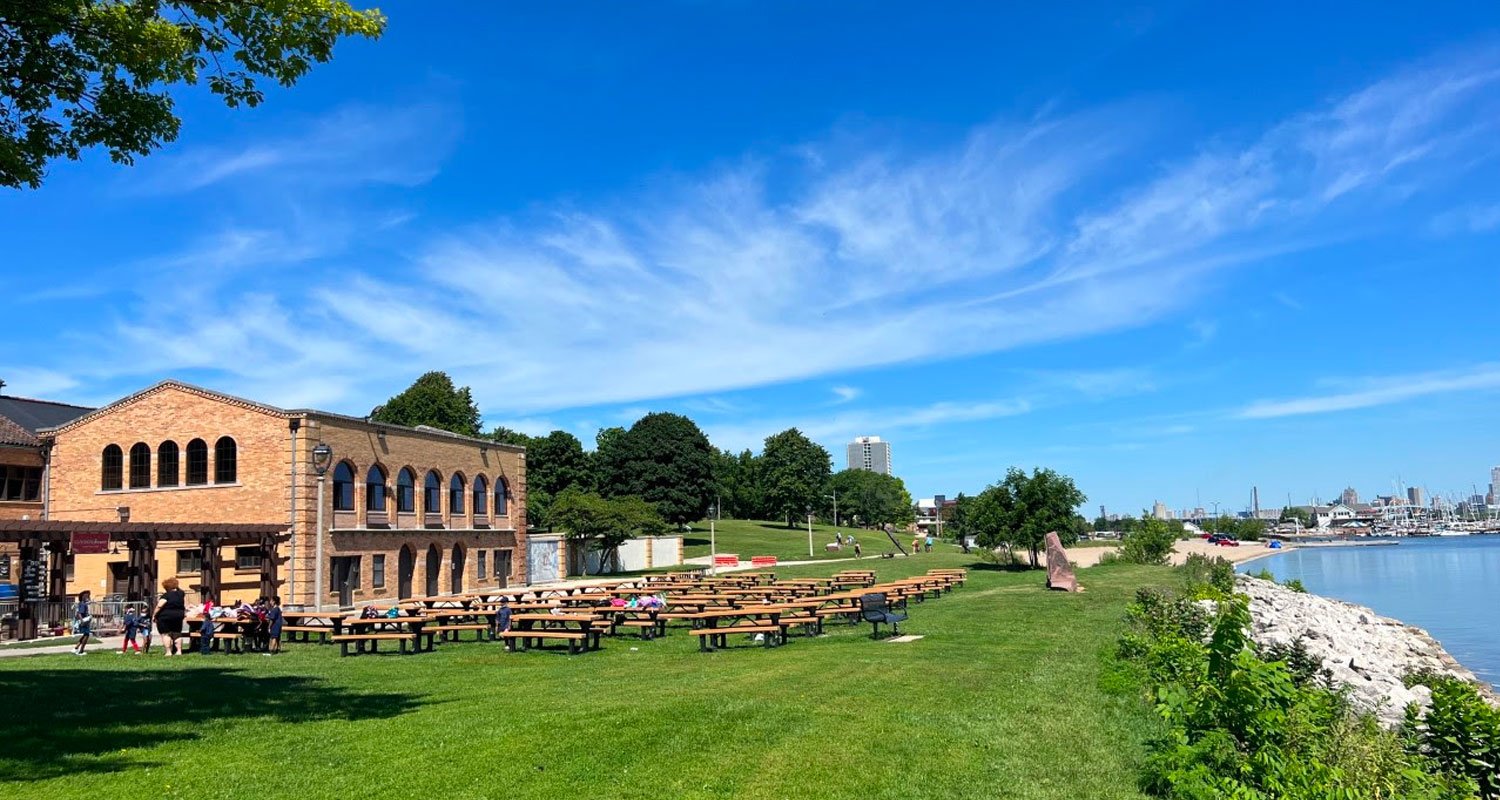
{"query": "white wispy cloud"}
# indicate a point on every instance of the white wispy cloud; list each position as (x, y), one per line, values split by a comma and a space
(842, 426)
(846, 258)
(1480, 218)
(845, 394)
(1370, 392)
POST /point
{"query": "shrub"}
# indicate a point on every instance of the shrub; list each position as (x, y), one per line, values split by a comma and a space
(1461, 734)
(1306, 668)
(1295, 584)
(1264, 574)
(1207, 577)
(1111, 557)
(1150, 543)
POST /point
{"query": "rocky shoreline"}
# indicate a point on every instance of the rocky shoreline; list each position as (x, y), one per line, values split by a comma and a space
(1364, 651)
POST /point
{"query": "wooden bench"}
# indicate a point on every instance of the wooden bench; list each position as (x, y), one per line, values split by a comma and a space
(323, 632)
(710, 638)
(359, 639)
(577, 640)
(231, 639)
(480, 630)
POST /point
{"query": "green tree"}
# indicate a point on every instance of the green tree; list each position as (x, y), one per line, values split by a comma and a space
(795, 469)
(605, 461)
(958, 520)
(1150, 543)
(605, 524)
(97, 73)
(738, 482)
(505, 435)
(666, 460)
(556, 462)
(1299, 514)
(874, 498)
(1022, 509)
(432, 400)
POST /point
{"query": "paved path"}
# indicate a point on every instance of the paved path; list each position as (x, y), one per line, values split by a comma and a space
(108, 644)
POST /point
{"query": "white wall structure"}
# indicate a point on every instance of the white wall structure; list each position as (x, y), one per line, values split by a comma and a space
(543, 562)
(634, 555)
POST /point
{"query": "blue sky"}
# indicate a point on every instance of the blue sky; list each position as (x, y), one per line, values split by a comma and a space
(1167, 250)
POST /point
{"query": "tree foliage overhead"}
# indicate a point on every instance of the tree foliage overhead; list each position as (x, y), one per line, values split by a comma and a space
(556, 462)
(666, 460)
(741, 494)
(1022, 509)
(432, 400)
(794, 471)
(76, 74)
(871, 498)
(605, 523)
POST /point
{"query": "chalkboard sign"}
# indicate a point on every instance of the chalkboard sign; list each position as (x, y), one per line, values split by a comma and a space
(4, 568)
(33, 577)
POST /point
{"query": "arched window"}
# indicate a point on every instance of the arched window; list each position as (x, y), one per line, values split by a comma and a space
(481, 497)
(432, 497)
(226, 456)
(406, 491)
(343, 487)
(197, 458)
(456, 495)
(375, 489)
(166, 464)
(502, 498)
(140, 466)
(112, 469)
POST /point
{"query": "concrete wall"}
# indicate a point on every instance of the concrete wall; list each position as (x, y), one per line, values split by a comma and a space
(634, 555)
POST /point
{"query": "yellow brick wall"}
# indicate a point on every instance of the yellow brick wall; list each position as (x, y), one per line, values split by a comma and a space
(21, 457)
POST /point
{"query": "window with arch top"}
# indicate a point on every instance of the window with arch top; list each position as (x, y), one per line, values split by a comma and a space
(375, 489)
(140, 466)
(197, 462)
(406, 489)
(456, 495)
(226, 461)
(502, 497)
(432, 493)
(343, 487)
(167, 469)
(112, 468)
(481, 497)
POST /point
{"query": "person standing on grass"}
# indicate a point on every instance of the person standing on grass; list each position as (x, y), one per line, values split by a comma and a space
(170, 613)
(856, 546)
(273, 619)
(929, 543)
(145, 622)
(916, 545)
(132, 626)
(83, 622)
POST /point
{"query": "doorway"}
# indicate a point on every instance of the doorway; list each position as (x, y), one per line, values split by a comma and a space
(345, 579)
(406, 565)
(458, 569)
(434, 563)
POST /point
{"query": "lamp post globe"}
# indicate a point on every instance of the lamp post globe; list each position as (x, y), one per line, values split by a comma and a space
(322, 456)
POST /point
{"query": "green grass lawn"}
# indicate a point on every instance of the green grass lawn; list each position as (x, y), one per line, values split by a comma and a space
(1001, 698)
(761, 538)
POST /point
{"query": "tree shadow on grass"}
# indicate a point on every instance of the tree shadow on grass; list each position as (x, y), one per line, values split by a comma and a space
(62, 722)
(693, 541)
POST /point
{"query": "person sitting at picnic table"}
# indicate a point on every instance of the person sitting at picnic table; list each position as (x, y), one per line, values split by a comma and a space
(273, 621)
(132, 624)
(206, 633)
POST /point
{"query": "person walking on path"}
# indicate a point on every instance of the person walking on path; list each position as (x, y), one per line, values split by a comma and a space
(132, 626)
(83, 622)
(170, 613)
(273, 620)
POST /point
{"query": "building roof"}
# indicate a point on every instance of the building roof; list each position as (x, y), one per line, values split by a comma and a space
(22, 417)
(84, 414)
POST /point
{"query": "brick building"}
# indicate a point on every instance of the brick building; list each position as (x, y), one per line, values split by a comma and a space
(405, 512)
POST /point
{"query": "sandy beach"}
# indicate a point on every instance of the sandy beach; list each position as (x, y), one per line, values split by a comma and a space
(1089, 556)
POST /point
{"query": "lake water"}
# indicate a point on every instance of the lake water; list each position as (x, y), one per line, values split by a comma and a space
(1448, 585)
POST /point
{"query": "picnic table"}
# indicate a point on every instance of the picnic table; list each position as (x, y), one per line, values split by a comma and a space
(300, 626)
(581, 631)
(227, 632)
(366, 634)
(714, 626)
(647, 622)
(449, 623)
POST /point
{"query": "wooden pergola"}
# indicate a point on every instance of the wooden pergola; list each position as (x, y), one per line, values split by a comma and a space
(53, 538)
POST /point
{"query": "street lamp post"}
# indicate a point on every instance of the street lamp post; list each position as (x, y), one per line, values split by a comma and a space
(713, 541)
(809, 532)
(322, 456)
(835, 497)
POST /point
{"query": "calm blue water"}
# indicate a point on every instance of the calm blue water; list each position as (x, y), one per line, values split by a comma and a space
(1448, 585)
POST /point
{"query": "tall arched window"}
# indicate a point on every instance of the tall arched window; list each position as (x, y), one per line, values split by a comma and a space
(167, 470)
(406, 491)
(481, 497)
(375, 489)
(432, 494)
(343, 487)
(456, 495)
(111, 472)
(226, 458)
(197, 462)
(502, 498)
(140, 466)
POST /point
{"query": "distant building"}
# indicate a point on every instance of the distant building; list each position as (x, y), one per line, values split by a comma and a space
(870, 453)
(1415, 496)
(1349, 497)
(1494, 483)
(1160, 510)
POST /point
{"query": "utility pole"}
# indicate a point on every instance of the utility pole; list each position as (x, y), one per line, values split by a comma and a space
(713, 541)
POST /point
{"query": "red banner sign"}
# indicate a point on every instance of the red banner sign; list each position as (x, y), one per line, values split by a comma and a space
(90, 543)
